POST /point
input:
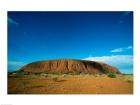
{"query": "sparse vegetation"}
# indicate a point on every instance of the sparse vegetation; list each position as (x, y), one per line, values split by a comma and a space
(71, 84)
(55, 79)
(67, 82)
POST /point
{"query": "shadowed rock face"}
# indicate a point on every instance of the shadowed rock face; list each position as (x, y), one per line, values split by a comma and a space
(68, 66)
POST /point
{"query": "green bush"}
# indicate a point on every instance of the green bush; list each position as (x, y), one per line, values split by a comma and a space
(111, 75)
(21, 73)
(76, 73)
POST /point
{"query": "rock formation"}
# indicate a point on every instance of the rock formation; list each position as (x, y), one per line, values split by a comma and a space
(68, 66)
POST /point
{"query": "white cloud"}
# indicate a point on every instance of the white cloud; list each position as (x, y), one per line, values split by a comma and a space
(121, 49)
(122, 62)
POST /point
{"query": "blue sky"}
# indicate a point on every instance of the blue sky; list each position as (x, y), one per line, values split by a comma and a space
(99, 36)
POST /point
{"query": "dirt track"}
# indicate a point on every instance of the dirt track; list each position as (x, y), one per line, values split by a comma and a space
(70, 85)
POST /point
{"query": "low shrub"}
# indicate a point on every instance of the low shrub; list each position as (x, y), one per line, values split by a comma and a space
(75, 73)
(111, 75)
(129, 81)
(21, 73)
(43, 75)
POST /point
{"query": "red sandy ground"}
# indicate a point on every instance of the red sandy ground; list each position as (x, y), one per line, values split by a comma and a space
(70, 85)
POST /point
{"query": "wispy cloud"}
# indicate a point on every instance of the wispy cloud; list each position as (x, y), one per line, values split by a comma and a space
(125, 14)
(121, 49)
(129, 47)
(117, 50)
(12, 21)
(15, 65)
(123, 62)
